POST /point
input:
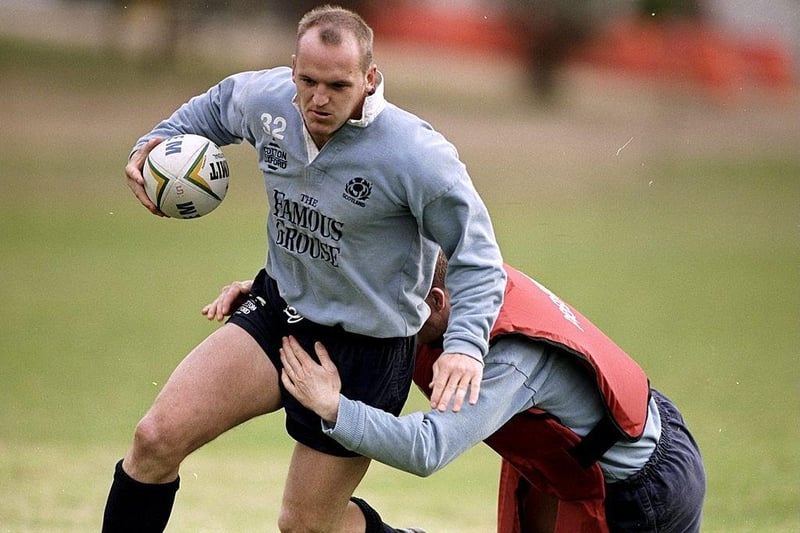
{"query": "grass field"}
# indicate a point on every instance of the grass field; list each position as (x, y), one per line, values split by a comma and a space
(669, 220)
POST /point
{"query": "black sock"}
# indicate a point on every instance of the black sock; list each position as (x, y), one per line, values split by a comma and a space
(138, 507)
(374, 522)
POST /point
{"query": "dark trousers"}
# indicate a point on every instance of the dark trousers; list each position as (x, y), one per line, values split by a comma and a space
(667, 494)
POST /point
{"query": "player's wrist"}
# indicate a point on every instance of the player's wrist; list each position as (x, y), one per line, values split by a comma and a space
(329, 412)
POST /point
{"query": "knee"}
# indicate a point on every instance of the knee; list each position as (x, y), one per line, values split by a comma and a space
(288, 521)
(285, 524)
(154, 441)
(295, 521)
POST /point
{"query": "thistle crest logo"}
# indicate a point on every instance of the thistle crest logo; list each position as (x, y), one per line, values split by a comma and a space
(357, 191)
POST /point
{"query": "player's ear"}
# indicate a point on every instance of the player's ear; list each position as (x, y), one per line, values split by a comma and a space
(437, 299)
(294, 65)
(372, 78)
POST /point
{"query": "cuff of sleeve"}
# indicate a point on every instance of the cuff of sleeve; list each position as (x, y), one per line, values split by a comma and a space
(349, 427)
(462, 346)
(134, 150)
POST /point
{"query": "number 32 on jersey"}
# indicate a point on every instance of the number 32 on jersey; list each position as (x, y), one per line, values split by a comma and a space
(273, 126)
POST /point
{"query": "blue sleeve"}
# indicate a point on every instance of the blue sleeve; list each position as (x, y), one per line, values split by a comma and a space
(217, 114)
(475, 279)
(422, 443)
(451, 214)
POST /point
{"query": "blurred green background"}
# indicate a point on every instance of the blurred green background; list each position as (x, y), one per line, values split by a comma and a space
(666, 212)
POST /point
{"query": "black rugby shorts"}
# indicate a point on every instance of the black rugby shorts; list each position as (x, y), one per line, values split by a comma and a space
(375, 371)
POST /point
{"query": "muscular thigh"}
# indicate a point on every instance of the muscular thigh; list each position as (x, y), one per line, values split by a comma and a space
(318, 488)
(224, 381)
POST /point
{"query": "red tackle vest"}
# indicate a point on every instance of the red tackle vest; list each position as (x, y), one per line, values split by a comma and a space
(534, 446)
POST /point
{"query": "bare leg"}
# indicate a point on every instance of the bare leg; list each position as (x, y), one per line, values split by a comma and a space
(317, 492)
(223, 382)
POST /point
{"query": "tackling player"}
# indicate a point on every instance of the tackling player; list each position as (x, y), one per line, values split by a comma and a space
(586, 444)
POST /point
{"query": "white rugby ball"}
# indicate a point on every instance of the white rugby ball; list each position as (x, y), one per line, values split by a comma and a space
(186, 176)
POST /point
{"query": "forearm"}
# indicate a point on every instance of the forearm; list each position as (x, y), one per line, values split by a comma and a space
(476, 278)
(416, 443)
(422, 443)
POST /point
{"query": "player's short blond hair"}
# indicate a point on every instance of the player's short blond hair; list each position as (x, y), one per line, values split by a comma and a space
(332, 20)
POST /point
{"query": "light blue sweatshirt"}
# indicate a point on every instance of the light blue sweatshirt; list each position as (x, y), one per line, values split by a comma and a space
(353, 230)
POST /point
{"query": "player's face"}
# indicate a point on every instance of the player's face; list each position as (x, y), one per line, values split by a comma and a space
(331, 85)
